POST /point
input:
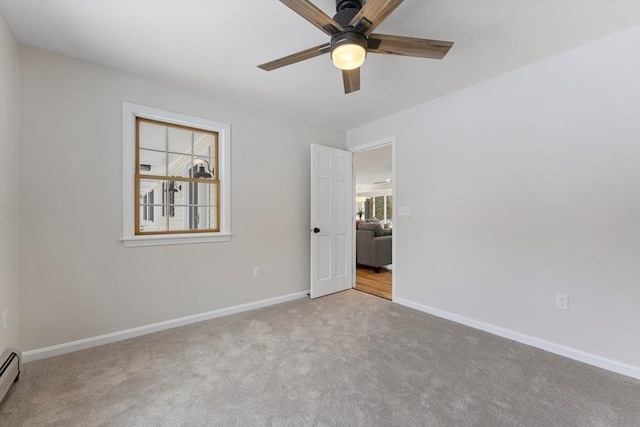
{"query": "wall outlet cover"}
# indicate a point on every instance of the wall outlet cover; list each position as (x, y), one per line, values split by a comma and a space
(562, 301)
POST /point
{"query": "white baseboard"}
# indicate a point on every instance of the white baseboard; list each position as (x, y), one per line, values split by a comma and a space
(82, 344)
(571, 353)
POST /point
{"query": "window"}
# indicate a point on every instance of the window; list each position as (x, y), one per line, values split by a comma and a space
(176, 178)
(183, 162)
(379, 207)
(388, 208)
(378, 203)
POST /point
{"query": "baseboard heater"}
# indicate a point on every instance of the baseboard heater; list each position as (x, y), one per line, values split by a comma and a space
(9, 371)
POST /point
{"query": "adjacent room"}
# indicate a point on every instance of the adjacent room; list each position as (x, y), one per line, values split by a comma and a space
(373, 176)
(320, 212)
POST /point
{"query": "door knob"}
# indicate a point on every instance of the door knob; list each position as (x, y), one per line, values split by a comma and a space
(316, 230)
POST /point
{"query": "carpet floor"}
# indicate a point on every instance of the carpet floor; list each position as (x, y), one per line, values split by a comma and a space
(348, 359)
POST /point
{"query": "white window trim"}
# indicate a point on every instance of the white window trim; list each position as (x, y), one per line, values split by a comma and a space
(129, 238)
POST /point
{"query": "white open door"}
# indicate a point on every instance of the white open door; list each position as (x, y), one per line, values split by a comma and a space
(332, 220)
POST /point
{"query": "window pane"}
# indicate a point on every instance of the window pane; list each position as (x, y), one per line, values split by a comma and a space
(154, 221)
(195, 207)
(204, 163)
(193, 217)
(205, 158)
(152, 136)
(177, 222)
(379, 202)
(213, 203)
(204, 139)
(204, 144)
(180, 140)
(176, 191)
(150, 209)
(179, 165)
(152, 162)
(204, 150)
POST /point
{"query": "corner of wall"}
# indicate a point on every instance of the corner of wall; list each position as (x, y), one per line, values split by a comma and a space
(9, 298)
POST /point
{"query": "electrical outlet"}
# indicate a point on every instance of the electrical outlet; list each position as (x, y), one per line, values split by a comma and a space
(256, 272)
(562, 301)
(5, 320)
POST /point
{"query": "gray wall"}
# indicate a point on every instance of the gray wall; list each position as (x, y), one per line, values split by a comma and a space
(8, 186)
(77, 280)
(524, 186)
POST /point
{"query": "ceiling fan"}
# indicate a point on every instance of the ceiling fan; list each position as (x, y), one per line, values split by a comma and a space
(352, 36)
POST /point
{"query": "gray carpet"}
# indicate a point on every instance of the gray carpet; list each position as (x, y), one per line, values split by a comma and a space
(349, 359)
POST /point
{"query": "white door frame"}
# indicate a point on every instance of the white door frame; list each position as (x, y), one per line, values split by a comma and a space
(391, 140)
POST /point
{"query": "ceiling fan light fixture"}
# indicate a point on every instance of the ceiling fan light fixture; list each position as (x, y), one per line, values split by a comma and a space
(352, 37)
(348, 50)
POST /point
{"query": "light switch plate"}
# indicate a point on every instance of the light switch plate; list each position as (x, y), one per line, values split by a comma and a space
(404, 210)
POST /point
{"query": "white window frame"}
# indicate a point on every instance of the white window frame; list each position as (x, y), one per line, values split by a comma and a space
(129, 238)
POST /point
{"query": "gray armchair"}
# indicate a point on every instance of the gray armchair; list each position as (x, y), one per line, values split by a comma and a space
(373, 246)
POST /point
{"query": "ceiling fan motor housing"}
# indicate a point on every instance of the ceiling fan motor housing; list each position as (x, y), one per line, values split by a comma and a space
(348, 4)
(346, 10)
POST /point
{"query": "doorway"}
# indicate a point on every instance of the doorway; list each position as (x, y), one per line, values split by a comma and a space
(374, 246)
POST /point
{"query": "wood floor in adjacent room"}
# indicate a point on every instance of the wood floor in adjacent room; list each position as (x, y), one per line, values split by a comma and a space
(378, 284)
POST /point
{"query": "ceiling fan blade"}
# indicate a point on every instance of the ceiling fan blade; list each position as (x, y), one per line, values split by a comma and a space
(311, 13)
(351, 79)
(296, 57)
(372, 14)
(408, 46)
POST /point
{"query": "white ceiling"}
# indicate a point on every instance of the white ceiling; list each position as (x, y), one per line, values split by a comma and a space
(371, 167)
(215, 46)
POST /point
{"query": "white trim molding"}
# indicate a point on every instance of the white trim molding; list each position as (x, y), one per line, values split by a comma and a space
(129, 238)
(82, 344)
(173, 239)
(571, 353)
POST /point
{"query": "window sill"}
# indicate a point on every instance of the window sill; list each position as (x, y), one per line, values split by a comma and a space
(174, 239)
